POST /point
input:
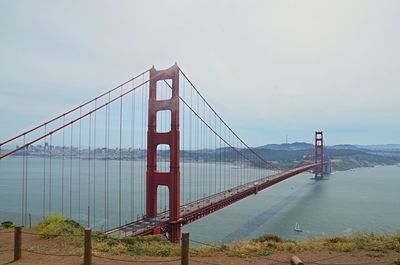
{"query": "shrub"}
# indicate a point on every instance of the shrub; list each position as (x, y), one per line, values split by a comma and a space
(7, 224)
(337, 239)
(55, 225)
(268, 237)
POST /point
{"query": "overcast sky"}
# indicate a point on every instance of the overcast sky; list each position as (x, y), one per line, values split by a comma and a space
(270, 68)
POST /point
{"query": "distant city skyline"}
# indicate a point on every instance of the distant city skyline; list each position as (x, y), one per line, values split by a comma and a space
(271, 69)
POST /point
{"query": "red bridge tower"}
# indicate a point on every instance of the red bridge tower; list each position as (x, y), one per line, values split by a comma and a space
(170, 179)
(319, 155)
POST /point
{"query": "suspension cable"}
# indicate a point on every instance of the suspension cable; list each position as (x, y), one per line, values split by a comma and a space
(72, 110)
(220, 117)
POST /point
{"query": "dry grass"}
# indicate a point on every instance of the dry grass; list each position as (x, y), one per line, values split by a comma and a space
(376, 245)
(269, 244)
(265, 245)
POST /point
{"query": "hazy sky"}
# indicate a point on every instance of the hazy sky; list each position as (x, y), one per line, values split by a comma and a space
(270, 68)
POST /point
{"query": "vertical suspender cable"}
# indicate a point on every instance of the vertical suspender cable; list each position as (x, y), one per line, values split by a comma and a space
(220, 158)
(230, 161)
(70, 172)
(44, 174)
(120, 164)
(105, 168)
(206, 174)
(200, 150)
(23, 187)
(89, 168)
(132, 155)
(50, 170)
(183, 145)
(190, 147)
(62, 168)
(203, 146)
(209, 152)
(236, 179)
(142, 171)
(79, 166)
(225, 159)
(26, 185)
(197, 150)
(203, 161)
(108, 163)
(94, 164)
(146, 107)
(215, 155)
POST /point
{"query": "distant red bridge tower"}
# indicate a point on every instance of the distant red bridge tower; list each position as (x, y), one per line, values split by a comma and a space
(319, 155)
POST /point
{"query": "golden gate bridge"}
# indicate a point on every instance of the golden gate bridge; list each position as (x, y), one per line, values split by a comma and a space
(146, 157)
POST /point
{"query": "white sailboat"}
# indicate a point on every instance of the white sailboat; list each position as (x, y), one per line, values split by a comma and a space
(297, 228)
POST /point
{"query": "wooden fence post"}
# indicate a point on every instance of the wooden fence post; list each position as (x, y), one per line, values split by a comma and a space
(17, 242)
(185, 249)
(87, 256)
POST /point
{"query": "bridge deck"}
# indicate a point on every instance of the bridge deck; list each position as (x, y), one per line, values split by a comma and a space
(205, 206)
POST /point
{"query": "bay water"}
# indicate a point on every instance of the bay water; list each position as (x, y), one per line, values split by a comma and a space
(360, 200)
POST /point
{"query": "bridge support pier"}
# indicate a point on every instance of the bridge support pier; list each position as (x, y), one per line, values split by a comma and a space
(174, 230)
(169, 179)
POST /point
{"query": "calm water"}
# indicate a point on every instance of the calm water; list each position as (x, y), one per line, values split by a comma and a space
(71, 196)
(364, 200)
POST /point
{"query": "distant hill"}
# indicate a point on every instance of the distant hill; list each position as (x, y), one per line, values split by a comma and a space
(344, 147)
(305, 146)
(288, 147)
(343, 156)
(375, 147)
(388, 147)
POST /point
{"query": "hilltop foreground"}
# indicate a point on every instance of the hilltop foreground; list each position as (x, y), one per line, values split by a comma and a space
(60, 241)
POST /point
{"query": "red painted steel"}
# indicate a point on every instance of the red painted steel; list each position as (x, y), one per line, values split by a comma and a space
(170, 179)
(319, 155)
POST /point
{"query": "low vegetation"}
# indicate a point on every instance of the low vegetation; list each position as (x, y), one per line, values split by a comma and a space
(146, 246)
(55, 226)
(369, 242)
(6, 225)
(265, 245)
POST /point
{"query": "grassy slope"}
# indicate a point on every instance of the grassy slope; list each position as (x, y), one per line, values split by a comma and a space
(54, 226)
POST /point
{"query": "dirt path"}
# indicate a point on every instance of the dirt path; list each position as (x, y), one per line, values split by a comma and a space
(358, 257)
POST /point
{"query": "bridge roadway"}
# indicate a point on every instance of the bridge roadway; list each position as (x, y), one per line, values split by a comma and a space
(198, 209)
